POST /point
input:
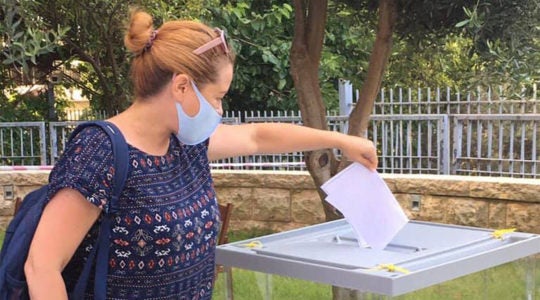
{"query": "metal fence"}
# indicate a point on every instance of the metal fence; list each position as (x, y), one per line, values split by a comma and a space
(476, 144)
(507, 145)
(402, 101)
(412, 143)
(22, 143)
(421, 131)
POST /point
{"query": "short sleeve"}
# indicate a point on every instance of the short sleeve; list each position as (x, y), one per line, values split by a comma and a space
(86, 166)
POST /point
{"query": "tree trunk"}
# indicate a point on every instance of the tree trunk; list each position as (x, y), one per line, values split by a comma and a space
(360, 115)
(359, 118)
(310, 22)
(309, 25)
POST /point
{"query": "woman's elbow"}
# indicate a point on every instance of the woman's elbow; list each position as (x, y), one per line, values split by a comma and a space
(35, 268)
(30, 268)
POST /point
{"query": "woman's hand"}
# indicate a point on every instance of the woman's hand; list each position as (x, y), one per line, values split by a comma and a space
(360, 150)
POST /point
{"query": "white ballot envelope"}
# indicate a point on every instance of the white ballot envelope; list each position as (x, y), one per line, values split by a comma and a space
(367, 204)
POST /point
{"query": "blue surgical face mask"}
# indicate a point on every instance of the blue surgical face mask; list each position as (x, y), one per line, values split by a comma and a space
(196, 129)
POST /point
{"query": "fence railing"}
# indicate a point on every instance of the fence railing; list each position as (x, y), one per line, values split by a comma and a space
(22, 143)
(444, 101)
(430, 131)
(507, 145)
(412, 143)
(392, 101)
(402, 101)
(475, 144)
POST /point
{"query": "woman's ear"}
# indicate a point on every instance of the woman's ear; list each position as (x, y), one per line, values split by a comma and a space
(180, 84)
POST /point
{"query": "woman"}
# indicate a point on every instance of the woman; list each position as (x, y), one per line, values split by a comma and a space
(164, 238)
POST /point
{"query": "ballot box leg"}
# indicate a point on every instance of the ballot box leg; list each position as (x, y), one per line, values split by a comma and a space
(351, 294)
(227, 273)
(530, 275)
(264, 282)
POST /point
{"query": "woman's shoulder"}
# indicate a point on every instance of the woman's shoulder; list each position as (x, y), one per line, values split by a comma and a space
(85, 165)
(90, 145)
(90, 133)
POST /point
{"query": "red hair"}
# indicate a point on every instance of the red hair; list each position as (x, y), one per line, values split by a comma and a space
(158, 54)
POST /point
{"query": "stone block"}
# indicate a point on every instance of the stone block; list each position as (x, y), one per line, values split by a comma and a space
(271, 205)
(241, 198)
(32, 178)
(505, 189)
(497, 214)
(7, 209)
(4, 222)
(423, 207)
(405, 201)
(262, 226)
(408, 186)
(306, 207)
(268, 179)
(390, 182)
(430, 185)
(524, 216)
(233, 179)
(433, 208)
(23, 190)
(468, 212)
(448, 187)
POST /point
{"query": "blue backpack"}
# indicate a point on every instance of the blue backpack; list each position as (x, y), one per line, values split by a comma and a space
(21, 230)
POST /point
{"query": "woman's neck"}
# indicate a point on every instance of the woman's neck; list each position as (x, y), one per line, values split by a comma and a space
(147, 125)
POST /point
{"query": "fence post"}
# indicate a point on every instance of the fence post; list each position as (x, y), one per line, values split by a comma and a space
(345, 101)
(456, 144)
(445, 143)
(54, 142)
(345, 97)
(43, 143)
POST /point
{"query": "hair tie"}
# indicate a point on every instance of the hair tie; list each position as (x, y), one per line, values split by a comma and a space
(150, 41)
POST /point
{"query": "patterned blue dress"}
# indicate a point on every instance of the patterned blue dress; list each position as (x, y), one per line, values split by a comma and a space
(164, 237)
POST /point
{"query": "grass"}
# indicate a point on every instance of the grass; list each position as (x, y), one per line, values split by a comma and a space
(251, 285)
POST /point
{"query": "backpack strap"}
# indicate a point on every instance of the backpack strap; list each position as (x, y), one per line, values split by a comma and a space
(101, 246)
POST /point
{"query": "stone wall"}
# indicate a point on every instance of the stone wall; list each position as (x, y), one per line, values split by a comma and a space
(17, 184)
(284, 200)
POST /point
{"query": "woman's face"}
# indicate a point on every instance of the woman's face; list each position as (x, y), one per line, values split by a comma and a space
(214, 91)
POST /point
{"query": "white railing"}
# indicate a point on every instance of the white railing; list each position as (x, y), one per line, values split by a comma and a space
(476, 144)
(432, 131)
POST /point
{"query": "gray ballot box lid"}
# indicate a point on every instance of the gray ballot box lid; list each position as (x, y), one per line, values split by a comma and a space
(420, 255)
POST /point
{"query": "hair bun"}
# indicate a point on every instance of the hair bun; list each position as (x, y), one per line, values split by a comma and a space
(139, 32)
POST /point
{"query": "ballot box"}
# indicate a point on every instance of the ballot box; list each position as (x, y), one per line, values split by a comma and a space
(421, 255)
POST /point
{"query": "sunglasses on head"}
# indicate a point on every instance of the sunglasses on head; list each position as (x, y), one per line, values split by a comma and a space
(219, 41)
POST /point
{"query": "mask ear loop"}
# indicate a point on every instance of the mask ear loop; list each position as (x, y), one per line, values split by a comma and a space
(194, 86)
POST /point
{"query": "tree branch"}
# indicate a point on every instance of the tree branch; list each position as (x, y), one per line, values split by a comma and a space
(316, 24)
(360, 116)
(299, 25)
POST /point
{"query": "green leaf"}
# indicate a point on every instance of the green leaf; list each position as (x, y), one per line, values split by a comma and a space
(9, 60)
(281, 84)
(463, 23)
